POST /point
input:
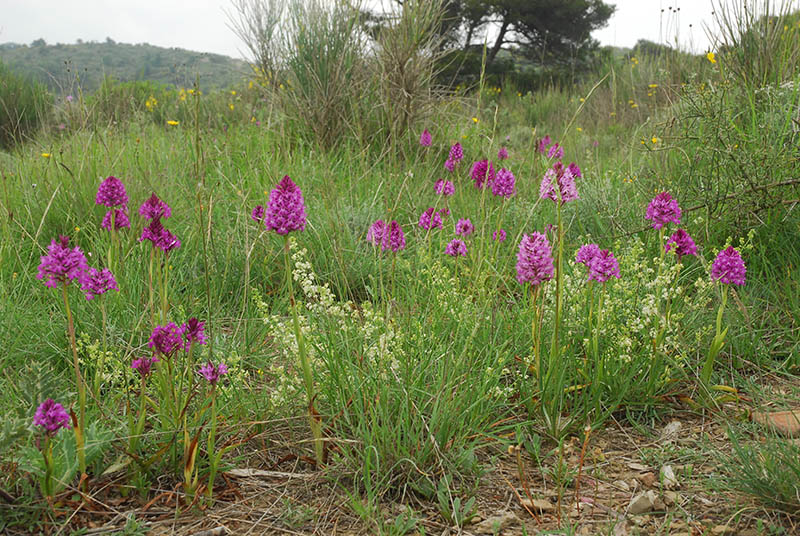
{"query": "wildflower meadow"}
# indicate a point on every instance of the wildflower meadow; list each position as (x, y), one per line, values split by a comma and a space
(512, 312)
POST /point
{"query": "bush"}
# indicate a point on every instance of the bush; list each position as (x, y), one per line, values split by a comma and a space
(24, 105)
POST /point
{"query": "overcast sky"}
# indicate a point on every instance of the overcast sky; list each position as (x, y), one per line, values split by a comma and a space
(202, 25)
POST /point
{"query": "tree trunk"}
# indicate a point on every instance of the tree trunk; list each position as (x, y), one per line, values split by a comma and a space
(498, 43)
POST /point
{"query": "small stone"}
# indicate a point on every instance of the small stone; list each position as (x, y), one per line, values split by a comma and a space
(495, 524)
(671, 498)
(722, 529)
(668, 478)
(647, 479)
(642, 503)
(621, 484)
(670, 431)
(637, 466)
(538, 505)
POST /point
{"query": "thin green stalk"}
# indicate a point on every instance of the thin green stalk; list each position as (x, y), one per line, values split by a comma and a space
(79, 429)
(308, 379)
(98, 374)
(150, 287)
(212, 455)
(716, 345)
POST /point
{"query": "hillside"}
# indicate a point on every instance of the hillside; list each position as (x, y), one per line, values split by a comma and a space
(60, 66)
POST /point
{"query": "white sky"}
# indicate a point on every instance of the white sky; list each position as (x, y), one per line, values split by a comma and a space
(202, 24)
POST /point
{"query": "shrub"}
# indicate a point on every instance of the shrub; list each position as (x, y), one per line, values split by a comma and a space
(24, 106)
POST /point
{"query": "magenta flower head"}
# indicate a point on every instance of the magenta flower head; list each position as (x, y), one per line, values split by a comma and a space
(95, 282)
(51, 416)
(535, 259)
(455, 248)
(482, 173)
(144, 365)
(375, 233)
(213, 373)
(61, 264)
(393, 238)
(662, 210)
(603, 267)
(562, 179)
(258, 214)
(499, 235)
(111, 193)
(450, 165)
(456, 153)
(286, 211)
(445, 188)
(160, 236)
(121, 220)
(729, 267)
(425, 138)
(166, 339)
(502, 154)
(682, 243)
(154, 208)
(575, 170)
(194, 331)
(542, 144)
(556, 152)
(430, 220)
(464, 227)
(503, 184)
(586, 254)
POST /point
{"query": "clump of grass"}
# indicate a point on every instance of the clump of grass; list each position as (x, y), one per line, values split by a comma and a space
(24, 107)
(769, 471)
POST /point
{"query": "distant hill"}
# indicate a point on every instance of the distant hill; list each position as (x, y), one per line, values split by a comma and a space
(61, 66)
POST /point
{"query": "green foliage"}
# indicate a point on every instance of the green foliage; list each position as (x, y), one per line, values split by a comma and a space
(768, 470)
(24, 107)
(69, 69)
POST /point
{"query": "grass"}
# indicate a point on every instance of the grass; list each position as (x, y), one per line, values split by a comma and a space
(423, 368)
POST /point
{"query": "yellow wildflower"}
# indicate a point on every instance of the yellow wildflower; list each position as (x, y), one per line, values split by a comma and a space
(233, 92)
(579, 129)
(653, 86)
(474, 119)
(711, 57)
(173, 123)
(654, 140)
(230, 106)
(77, 229)
(45, 155)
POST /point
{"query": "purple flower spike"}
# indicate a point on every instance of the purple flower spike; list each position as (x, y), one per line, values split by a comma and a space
(558, 176)
(160, 236)
(450, 165)
(542, 144)
(662, 210)
(154, 208)
(393, 238)
(166, 339)
(144, 365)
(682, 243)
(286, 211)
(213, 373)
(586, 254)
(575, 170)
(535, 259)
(464, 227)
(111, 193)
(258, 214)
(425, 138)
(95, 282)
(456, 153)
(503, 184)
(502, 154)
(194, 331)
(728, 267)
(121, 220)
(556, 152)
(455, 248)
(430, 220)
(61, 264)
(445, 188)
(51, 416)
(603, 267)
(499, 235)
(482, 173)
(375, 233)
